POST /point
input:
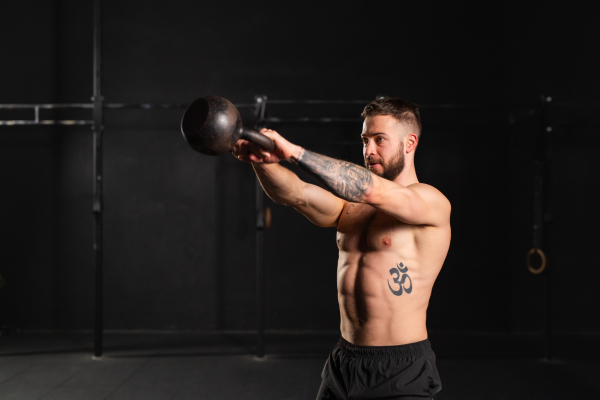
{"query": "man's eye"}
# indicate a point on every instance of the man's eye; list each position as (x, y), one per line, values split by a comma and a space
(379, 139)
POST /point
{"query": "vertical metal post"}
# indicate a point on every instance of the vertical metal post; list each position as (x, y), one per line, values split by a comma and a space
(97, 176)
(540, 211)
(547, 132)
(260, 289)
(259, 243)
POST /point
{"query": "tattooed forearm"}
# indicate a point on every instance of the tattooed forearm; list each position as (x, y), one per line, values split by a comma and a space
(344, 179)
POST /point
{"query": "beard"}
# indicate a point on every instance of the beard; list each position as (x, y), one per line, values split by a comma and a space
(391, 168)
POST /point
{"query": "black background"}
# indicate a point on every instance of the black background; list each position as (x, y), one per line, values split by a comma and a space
(179, 227)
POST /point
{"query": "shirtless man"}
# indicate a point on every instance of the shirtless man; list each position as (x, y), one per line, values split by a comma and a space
(393, 234)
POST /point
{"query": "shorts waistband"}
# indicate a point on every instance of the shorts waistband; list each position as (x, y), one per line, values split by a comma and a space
(404, 350)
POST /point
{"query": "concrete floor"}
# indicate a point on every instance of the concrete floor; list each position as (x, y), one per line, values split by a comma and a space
(55, 366)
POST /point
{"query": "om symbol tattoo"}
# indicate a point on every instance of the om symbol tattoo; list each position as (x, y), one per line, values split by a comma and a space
(400, 270)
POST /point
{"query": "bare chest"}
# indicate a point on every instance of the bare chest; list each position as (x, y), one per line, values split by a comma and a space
(362, 228)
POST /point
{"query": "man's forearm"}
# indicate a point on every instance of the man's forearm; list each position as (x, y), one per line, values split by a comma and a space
(281, 185)
(344, 179)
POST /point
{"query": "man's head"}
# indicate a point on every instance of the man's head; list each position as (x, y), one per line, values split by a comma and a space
(390, 134)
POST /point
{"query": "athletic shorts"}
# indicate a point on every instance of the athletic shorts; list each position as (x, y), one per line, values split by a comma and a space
(380, 372)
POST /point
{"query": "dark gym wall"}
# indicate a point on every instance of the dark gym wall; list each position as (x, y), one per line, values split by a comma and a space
(179, 230)
(238, 50)
(28, 178)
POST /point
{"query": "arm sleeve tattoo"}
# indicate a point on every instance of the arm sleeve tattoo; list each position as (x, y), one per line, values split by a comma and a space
(344, 179)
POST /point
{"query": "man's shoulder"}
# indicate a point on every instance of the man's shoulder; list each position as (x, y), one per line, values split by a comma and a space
(438, 204)
(436, 201)
(429, 193)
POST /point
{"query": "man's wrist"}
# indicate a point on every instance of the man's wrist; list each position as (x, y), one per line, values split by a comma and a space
(296, 155)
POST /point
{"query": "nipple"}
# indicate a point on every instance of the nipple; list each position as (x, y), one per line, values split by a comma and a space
(386, 241)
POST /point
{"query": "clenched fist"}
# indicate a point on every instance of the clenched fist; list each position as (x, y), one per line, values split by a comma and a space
(253, 153)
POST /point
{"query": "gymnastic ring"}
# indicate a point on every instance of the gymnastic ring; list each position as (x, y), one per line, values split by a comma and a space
(542, 256)
(267, 217)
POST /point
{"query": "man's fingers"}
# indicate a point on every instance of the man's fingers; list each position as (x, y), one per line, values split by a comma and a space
(250, 158)
(242, 147)
(270, 133)
(247, 151)
(256, 150)
(244, 157)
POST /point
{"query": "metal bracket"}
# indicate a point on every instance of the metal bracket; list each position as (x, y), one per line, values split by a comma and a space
(260, 104)
(96, 206)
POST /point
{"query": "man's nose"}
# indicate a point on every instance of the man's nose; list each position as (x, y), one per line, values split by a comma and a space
(370, 149)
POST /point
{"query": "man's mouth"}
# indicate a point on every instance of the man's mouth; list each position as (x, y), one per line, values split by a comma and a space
(371, 165)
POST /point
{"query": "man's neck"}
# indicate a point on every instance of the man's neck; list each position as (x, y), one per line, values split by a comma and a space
(408, 176)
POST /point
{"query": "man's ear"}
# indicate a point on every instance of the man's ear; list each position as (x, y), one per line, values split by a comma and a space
(411, 142)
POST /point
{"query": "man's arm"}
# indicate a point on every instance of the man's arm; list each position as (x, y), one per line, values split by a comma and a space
(284, 187)
(417, 204)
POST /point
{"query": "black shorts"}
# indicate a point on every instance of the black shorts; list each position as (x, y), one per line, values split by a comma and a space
(380, 372)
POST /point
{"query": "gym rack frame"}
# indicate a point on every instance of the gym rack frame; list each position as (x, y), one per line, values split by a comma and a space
(97, 107)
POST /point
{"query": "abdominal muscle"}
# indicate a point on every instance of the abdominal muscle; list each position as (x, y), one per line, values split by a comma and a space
(371, 314)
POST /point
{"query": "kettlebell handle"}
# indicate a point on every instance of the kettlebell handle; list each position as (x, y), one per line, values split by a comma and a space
(257, 138)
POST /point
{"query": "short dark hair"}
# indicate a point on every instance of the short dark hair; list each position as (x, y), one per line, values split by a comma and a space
(402, 110)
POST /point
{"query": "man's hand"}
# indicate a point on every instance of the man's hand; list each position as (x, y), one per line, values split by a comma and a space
(253, 153)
